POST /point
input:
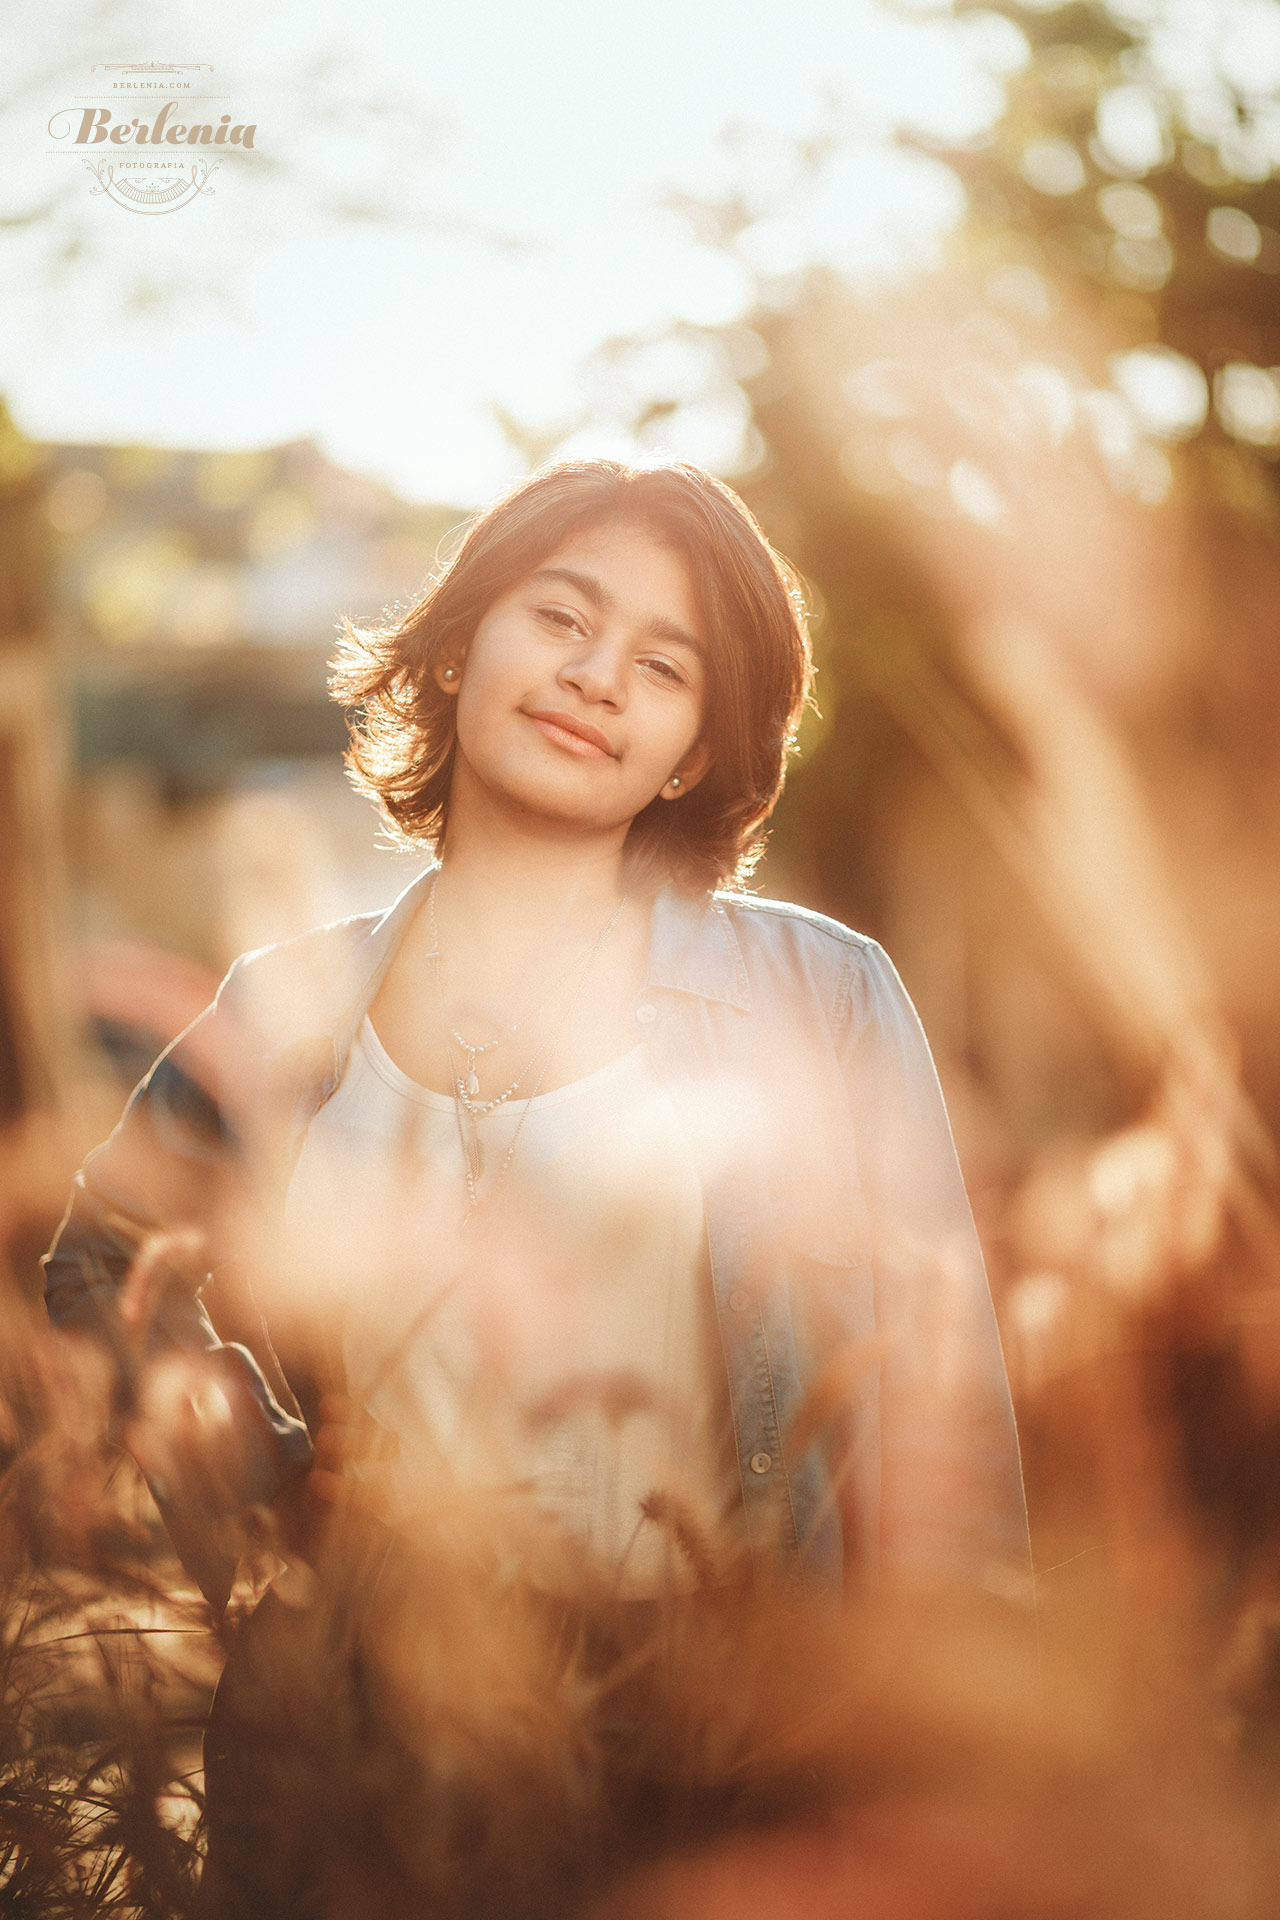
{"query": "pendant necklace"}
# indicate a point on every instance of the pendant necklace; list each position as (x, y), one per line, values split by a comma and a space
(468, 1108)
(468, 1111)
(475, 1050)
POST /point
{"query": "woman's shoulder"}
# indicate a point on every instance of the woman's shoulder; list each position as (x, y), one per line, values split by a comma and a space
(325, 958)
(332, 938)
(754, 914)
(850, 971)
(303, 955)
(294, 999)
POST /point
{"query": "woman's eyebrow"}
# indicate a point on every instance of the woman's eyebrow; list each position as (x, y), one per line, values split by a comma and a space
(588, 586)
(659, 628)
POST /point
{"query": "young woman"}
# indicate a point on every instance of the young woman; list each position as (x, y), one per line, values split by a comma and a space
(612, 1184)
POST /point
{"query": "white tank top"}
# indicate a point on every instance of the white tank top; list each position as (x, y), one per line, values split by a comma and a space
(563, 1347)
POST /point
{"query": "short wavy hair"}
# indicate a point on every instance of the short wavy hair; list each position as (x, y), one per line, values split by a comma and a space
(758, 669)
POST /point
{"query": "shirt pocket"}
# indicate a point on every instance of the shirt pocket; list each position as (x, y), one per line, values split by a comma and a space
(833, 1300)
(819, 1209)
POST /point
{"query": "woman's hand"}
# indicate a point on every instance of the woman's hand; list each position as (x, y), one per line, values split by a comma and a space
(353, 1462)
(197, 1441)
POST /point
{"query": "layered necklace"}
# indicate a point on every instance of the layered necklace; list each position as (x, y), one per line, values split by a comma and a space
(469, 1108)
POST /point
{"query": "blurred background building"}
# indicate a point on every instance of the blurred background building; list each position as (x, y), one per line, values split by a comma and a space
(173, 781)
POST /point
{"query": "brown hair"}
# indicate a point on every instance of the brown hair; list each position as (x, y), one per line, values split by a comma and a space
(758, 660)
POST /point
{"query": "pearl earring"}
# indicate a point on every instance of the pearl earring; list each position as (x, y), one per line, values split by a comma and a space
(674, 783)
(450, 673)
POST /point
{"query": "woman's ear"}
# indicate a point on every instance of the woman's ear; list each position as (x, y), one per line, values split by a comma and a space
(447, 675)
(695, 764)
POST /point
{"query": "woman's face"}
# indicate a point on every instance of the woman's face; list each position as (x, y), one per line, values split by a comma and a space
(582, 692)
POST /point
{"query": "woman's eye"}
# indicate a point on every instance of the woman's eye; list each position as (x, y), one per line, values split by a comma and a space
(561, 618)
(664, 670)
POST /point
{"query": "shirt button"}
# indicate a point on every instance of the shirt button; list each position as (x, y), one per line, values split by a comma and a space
(739, 1300)
(761, 1462)
(646, 1012)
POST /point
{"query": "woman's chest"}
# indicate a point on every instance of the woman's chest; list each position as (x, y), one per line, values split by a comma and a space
(510, 1016)
(589, 1228)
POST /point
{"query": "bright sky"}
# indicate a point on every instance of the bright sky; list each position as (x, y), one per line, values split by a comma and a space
(515, 157)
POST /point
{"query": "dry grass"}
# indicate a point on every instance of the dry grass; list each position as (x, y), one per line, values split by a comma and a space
(448, 1739)
(106, 1664)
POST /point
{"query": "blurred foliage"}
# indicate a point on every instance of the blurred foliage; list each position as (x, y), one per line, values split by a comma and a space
(1137, 159)
(105, 1667)
(1108, 310)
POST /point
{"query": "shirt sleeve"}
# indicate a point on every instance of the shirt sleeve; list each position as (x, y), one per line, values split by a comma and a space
(952, 1507)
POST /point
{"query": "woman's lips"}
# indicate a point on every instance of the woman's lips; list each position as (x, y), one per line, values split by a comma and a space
(576, 736)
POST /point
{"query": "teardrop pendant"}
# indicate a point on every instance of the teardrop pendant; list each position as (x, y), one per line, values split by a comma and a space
(473, 1085)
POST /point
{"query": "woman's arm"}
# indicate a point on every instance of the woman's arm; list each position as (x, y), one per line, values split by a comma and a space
(952, 1508)
(208, 1430)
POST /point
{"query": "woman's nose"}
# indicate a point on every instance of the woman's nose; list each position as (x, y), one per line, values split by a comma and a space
(596, 670)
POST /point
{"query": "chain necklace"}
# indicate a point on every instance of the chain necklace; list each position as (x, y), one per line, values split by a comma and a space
(475, 1050)
(469, 1135)
(466, 1113)
(468, 1110)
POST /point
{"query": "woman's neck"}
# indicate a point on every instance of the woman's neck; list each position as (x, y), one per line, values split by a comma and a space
(505, 876)
(521, 946)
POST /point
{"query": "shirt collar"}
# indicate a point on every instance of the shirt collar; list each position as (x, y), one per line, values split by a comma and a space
(371, 958)
(694, 949)
(387, 932)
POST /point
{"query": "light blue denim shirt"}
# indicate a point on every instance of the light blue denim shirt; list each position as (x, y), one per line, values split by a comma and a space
(871, 1413)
